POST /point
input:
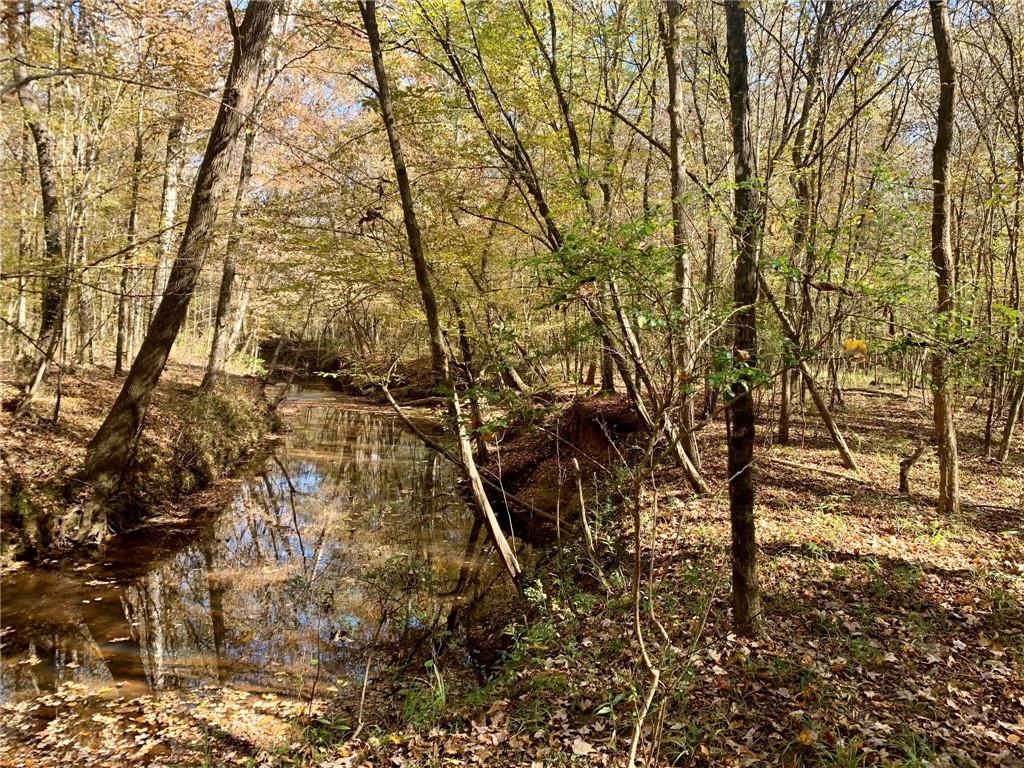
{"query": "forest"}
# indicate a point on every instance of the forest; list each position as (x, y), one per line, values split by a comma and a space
(511, 383)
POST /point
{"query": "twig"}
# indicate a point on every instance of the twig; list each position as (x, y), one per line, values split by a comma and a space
(587, 535)
(362, 697)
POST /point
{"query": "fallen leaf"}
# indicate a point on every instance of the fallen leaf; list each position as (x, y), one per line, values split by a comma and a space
(581, 747)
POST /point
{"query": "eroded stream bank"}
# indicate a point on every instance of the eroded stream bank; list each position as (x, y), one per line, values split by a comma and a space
(192, 438)
(348, 549)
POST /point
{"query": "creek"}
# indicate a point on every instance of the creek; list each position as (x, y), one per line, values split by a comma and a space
(348, 544)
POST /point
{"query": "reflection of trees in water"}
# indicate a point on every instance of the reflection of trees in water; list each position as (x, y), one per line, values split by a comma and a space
(353, 533)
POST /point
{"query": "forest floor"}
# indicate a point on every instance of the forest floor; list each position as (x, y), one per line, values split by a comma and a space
(188, 441)
(892, 637)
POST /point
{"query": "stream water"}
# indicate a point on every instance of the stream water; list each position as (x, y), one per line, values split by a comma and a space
(351, 538)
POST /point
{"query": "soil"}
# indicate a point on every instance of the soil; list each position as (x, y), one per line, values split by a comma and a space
(534, 459)
(190, 440)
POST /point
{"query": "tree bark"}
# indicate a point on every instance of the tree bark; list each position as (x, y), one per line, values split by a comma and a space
(55, 281)
(907, 463)
(121, 343)
(942, 259)
(442, 369)
(1012, 417)
(227, 322)
(682, 291)
(219, 349)
(667, 425)
(24, 244)
(168, 210)
(746, 596)
(803, 249)
(111, 449)
(437, 352)
(792, 335)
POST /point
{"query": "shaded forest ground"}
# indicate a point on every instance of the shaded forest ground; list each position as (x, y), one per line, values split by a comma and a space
(892, 637)
(190, 439)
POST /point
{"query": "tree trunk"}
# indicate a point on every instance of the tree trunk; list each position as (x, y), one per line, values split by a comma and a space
(1012, 417)
(55, 281)
(121, 344)
(792, 335)
(942, 258)
(437, 352)
(168, 210)
(682, 291)
(219, 349)
(643, 376)
(802, 254)
(907, 463)
(24, 244)
(228, 320)
(442, 369)
(111, 449)
(746, 597)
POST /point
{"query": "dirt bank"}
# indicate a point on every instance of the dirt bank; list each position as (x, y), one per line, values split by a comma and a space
(534, 459)
(190, 439)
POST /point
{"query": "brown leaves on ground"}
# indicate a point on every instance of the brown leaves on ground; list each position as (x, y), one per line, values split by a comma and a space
(80, 726)
(892, 635)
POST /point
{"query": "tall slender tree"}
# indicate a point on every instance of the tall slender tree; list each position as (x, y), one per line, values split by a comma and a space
(173, 160)
(55, 281)
(746, 594)
(439, 358)
(127, 269)
(682, 289)
(942, 259)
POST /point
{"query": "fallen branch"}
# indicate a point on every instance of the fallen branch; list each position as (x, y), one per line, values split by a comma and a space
(820, 470)
(876, 393)
(444, 452)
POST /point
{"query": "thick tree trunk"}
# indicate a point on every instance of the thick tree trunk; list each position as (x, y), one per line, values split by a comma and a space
(228, 320)
(55, 281)
(746, 595)
(437, 352)
(111, 449)
(942, 258)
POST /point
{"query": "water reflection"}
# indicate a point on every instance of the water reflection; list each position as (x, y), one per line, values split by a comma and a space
(352, 537)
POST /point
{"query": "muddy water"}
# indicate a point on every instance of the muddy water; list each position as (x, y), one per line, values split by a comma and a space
(349, 543)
